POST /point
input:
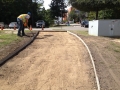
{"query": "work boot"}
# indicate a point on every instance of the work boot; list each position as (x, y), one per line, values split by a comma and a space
(24, 35)
(19, 35)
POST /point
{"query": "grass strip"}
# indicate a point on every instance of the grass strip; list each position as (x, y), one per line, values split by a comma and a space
(8, 37)
(80, 32)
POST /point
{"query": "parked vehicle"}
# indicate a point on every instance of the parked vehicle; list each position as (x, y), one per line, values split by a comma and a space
(84, 23)
(39, 23)
(6, 26)
(13, 24)
(2, 24)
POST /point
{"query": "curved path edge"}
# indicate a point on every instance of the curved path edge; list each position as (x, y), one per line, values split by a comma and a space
(5, 59)
(91, 57)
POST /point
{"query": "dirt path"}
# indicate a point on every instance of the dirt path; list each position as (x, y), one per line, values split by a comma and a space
(106, 53)
(54, 61)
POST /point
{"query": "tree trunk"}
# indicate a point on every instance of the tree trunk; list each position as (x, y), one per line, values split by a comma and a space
(96, 15)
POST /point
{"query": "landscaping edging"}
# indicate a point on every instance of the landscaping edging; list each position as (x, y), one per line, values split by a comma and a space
(5, 59)
(91, 57)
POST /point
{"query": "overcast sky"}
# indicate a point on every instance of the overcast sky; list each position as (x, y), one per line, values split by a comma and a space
(46, 4)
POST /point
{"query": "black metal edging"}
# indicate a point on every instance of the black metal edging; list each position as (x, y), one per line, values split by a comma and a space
(4, 60)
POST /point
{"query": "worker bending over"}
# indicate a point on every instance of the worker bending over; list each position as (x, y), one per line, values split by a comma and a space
(22, 21)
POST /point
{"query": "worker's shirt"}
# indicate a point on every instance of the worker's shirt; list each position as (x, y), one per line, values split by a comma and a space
(23, 17)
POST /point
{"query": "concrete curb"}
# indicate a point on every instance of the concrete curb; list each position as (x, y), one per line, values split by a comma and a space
(4, 60)
(91, 57)
(53, 31)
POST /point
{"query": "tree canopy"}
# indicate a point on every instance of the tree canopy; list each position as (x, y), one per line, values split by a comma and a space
(94, 5)
(10, 9)
(57, 8)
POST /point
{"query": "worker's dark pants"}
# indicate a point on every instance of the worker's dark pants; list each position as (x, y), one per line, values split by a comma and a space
(20, 27)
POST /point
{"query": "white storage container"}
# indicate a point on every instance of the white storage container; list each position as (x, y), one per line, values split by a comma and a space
(104, 27)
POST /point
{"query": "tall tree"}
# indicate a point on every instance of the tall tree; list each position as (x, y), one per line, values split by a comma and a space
(94, 5)
(72, 15)
(10, 9)
(57, 8)
(110, 13)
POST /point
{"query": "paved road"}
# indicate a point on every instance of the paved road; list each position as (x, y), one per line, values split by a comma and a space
(71, 27)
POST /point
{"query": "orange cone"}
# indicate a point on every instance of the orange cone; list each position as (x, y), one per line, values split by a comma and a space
(2, 28)
(42, 27)
(30, 27)
(15, 27)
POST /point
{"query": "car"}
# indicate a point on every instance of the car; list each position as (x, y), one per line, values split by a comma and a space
(13, 24)
(84, 23)
(6, 26)
(39, 23)
(2, 24)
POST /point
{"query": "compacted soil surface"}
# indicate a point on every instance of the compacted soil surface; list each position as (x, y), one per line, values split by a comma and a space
(106, 55)
(54, 61)
(59, 61)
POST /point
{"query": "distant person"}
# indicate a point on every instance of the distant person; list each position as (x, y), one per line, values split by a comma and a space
(80, 21)
(22, 21)
(68, 23)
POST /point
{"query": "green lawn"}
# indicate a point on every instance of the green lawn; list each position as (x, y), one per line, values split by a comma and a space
(6, 37)
(80, 32)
